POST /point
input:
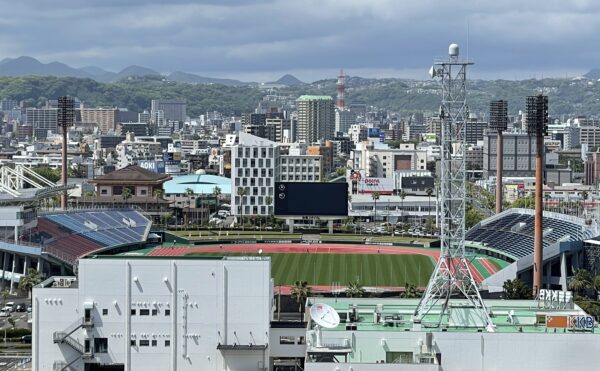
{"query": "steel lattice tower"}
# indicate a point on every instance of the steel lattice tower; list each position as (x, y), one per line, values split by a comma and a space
(451, 276)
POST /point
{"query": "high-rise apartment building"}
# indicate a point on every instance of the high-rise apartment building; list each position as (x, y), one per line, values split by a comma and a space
(589, 135)
(8, 104)
(42, 120)
(344, 119)
(519, 154)
(105, 118)
(316, 118)
(173, 109)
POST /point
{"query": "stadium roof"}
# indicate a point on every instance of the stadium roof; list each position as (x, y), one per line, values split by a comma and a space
(512, 231)
(200, 184)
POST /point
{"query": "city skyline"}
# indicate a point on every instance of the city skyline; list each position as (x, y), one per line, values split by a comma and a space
(262, 40)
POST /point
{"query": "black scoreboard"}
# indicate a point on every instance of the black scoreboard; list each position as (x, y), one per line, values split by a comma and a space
(311, 199)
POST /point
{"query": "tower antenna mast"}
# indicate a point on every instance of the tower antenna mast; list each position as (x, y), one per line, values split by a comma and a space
(451, 276)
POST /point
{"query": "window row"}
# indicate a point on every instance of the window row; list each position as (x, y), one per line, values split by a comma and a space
(147, 312)
(147, 343)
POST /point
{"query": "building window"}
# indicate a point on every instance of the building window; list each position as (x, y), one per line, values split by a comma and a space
(105, 312)
(144, 343)
(154, 343)
(132, 343)
(143, 192)
(133, 312)
(287, 340)
(144, 312)
(167, 312)
(167, 343)
(100, 345)
(300, 340)
(104, 192)
(154, 312)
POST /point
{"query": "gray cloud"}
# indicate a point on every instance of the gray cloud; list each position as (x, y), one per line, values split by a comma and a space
(262, 38)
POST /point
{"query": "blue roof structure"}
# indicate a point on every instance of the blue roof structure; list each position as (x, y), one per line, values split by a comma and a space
(199, 183)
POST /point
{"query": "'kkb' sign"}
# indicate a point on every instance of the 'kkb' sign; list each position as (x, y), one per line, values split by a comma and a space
(581, 322)
(554, 299)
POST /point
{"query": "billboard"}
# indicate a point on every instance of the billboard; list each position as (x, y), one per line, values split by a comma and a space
(573, 322)
(172, 156)
(311, 199)
(172, 167)
(373, 132)
(363, 184)
(152, 165)
(381, 185)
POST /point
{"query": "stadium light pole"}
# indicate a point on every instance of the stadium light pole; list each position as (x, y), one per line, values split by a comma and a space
(65, 116)
(499, 122)
(537, 125)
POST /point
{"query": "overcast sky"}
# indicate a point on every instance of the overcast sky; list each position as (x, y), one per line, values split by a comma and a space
(263, 39)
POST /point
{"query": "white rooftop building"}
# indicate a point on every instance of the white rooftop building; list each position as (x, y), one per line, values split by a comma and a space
(128, 313)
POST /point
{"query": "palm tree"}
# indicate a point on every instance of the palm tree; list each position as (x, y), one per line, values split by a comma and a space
(216, 192)
(26, 283)
(355, 290)
(596, 284)
(429, 192)
(402, 197)
(300, 291)
(375, 197)
(516, 289)
(241, 191)
(189, 193)
(164, 218)
(410, 292)
(581, 280)
(127, 194)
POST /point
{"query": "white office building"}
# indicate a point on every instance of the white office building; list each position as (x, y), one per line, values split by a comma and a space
(127, 313)
(301, 168)
(255, 168)
(378, 160)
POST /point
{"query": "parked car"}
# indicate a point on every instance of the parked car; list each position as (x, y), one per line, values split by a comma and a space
(21, 308)
(4, 313)
(29, 308)
(10, 305)
(26, 339)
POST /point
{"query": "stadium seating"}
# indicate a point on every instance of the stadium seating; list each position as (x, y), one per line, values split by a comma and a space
(512, 231)
(78, 233)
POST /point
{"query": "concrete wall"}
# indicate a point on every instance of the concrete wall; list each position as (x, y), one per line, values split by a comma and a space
(195, 304)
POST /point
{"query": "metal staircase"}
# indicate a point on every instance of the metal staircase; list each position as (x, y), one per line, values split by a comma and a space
(64, 337)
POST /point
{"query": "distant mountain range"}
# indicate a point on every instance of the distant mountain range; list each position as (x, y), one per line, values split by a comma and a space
(594, 74)
(29, 66)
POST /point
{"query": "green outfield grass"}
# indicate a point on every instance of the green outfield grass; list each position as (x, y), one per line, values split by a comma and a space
(329, 269)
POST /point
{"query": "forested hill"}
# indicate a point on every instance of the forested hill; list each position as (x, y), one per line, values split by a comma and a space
(567, 97)
(132, 93)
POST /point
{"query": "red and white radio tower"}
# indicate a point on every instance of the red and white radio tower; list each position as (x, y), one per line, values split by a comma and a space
(340, 87)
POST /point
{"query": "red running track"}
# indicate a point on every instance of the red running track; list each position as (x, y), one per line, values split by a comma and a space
(293, 248)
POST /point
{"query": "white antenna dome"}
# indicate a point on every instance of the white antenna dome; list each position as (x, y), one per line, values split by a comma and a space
(453, 50)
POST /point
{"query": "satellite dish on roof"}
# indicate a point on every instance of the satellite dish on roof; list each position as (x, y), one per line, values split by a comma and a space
(324, 315)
